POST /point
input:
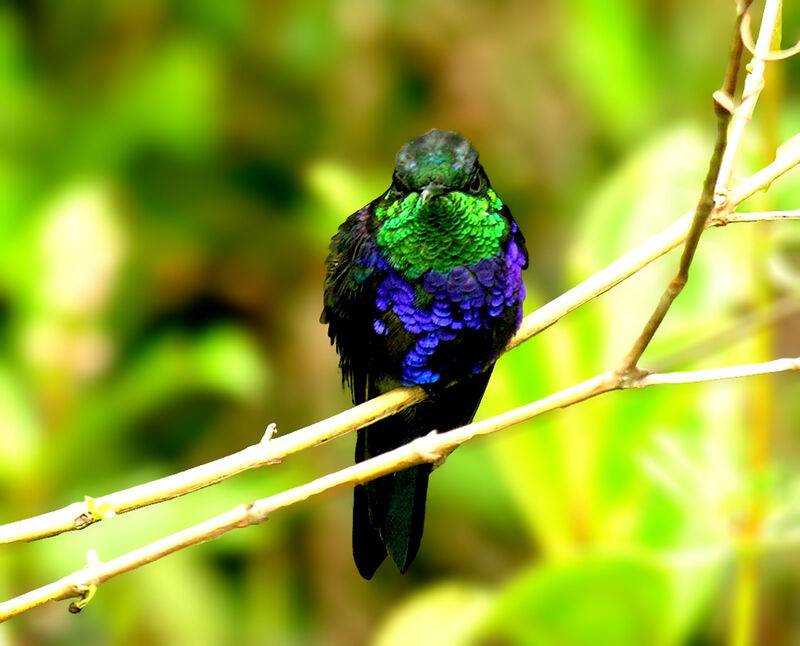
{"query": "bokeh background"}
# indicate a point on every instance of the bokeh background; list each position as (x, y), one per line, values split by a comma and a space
(170, 175)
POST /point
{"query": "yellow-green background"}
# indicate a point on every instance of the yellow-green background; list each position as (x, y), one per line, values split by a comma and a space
(170, 175)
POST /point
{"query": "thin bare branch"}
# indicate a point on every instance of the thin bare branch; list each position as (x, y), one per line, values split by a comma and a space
(753, 84)
(788, 157)
(715, 374)
(430, 448)
(268, 451)
(772, 55)
(758, 216)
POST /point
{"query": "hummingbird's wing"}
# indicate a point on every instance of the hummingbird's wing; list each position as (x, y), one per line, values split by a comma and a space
(517, 236)
(349, 299)
(349, 310)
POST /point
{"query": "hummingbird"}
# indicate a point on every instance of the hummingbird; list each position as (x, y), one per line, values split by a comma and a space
(423, 288)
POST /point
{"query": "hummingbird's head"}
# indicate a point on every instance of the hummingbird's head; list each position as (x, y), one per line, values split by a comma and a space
(439, 212)
(438, 162)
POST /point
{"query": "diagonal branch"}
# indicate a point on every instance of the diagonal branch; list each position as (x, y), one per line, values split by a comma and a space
(430, 448)
(269, 451)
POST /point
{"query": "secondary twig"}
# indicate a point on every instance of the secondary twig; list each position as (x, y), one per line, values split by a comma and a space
(753, 84)
(772, 55)
(786, 158)
(715, 374)
(763, 215)
(429, 448)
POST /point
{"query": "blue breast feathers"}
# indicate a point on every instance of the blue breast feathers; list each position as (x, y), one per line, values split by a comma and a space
(438, 310)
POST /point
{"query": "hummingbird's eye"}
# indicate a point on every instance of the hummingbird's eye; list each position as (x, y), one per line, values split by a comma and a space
(398, 183)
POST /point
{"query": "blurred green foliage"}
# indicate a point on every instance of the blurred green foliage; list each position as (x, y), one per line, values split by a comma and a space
(170, 175)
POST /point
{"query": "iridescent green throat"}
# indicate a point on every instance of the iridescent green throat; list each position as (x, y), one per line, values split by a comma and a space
(450, 230)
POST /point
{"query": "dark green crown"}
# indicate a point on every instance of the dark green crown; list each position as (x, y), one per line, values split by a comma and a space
(439, 157)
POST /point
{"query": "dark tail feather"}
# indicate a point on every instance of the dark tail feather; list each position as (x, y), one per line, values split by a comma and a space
(406, 514)
(399, 532)
(389, 512)
(368, 548)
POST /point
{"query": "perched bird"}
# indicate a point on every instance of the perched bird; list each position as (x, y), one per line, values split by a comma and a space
(423, 287)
